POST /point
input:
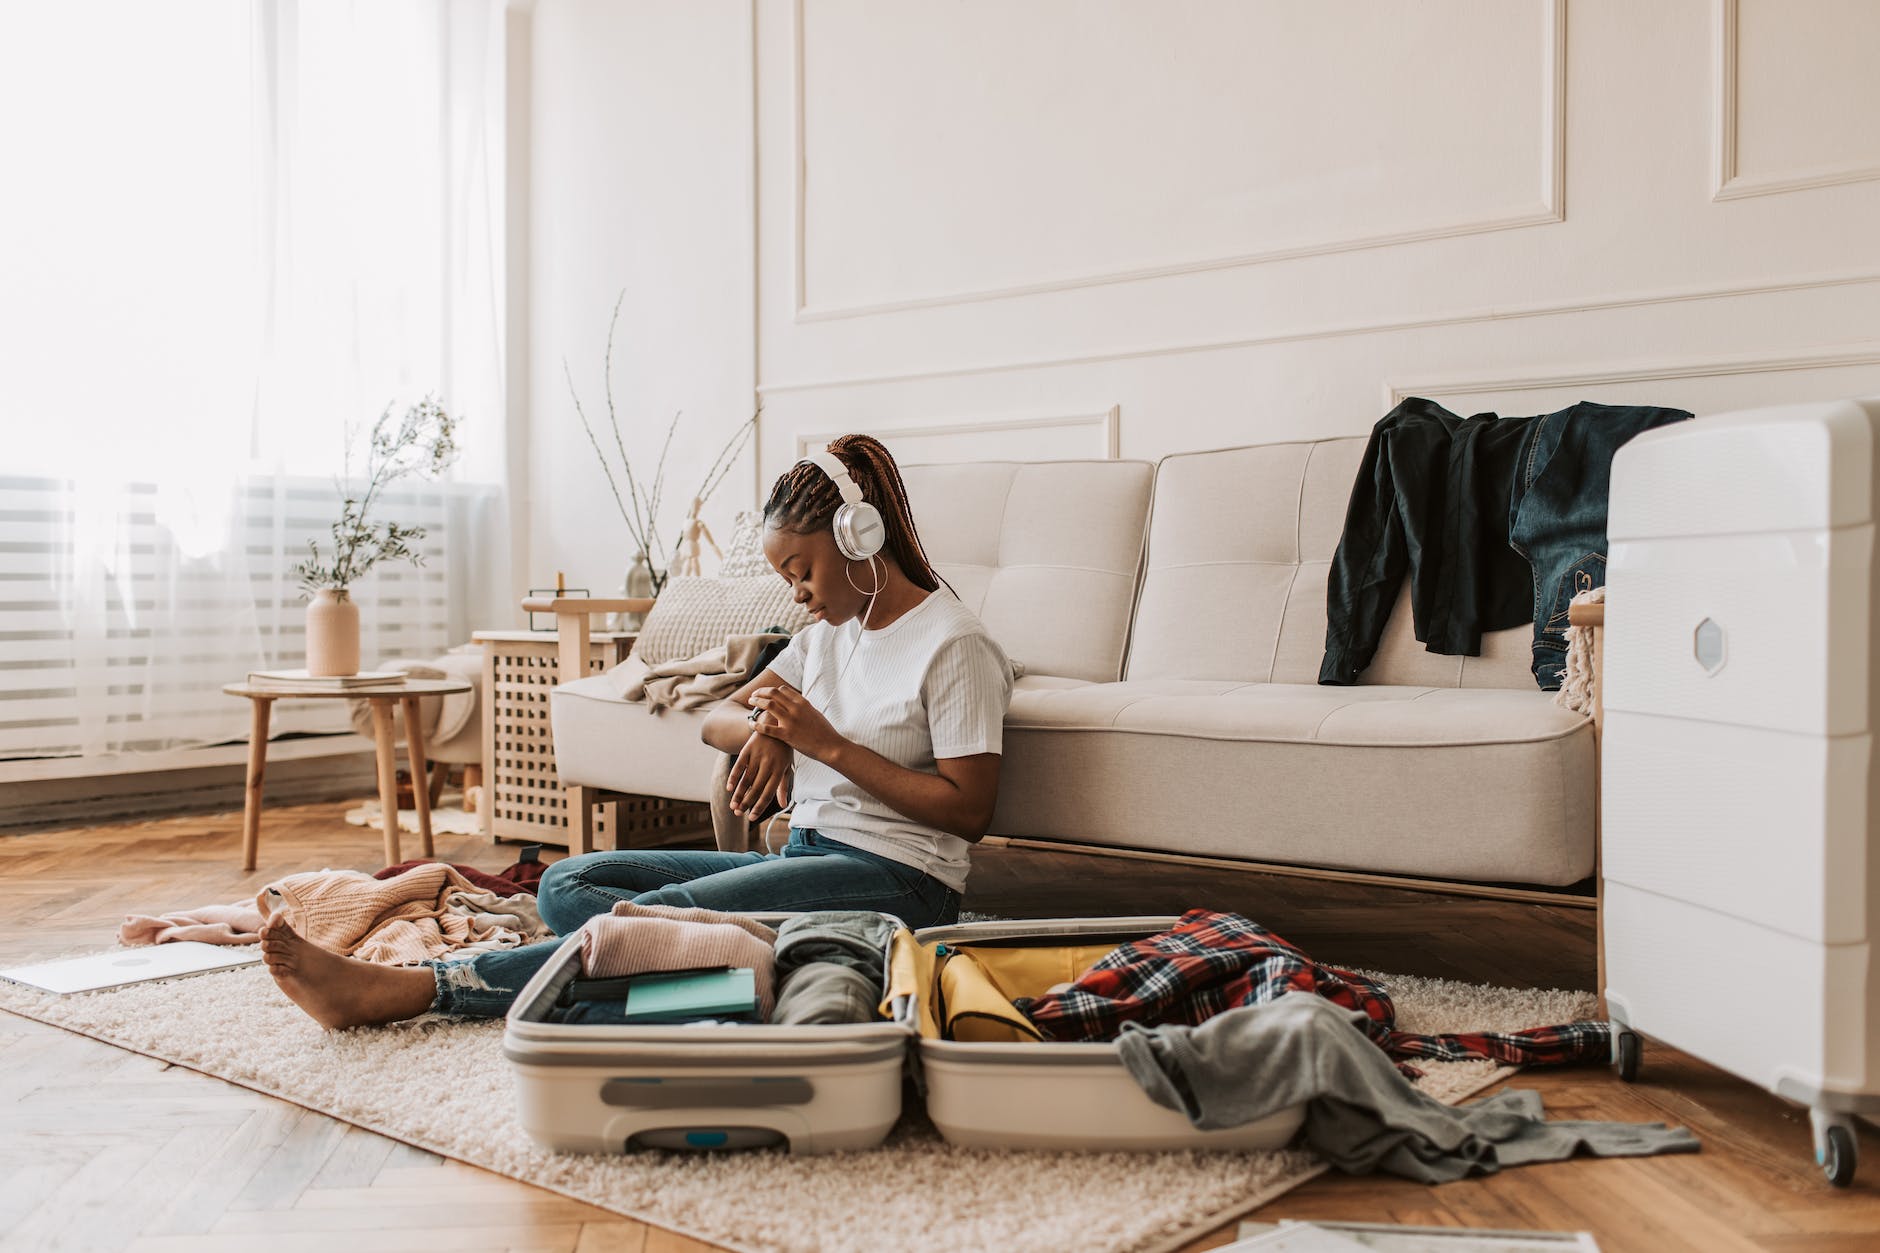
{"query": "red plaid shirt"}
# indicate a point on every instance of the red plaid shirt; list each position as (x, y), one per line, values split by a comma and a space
(1212, 962)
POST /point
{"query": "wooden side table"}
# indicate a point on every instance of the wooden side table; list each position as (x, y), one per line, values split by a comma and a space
(383, 696)
(523, 796)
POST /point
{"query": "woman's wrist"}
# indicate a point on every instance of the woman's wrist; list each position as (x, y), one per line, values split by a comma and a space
(836, 756)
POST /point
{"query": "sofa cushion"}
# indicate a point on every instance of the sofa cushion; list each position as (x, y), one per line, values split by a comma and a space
(1481, 785)
(604, 741)
(1046, 553)
(695, 614)
(1240, 545)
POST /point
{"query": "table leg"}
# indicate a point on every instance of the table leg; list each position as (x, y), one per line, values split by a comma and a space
(257, 766)
(420, 773)
(382, 733)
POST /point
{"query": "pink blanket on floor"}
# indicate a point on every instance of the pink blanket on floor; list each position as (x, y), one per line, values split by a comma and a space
(239, 923)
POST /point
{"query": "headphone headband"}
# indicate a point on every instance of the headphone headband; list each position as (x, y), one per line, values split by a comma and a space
(838, 474)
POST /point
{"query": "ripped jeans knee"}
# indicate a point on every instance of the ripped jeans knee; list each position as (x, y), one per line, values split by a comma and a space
(485, 986)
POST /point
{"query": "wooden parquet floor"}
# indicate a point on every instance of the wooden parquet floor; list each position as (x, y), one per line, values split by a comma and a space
(104, 1150)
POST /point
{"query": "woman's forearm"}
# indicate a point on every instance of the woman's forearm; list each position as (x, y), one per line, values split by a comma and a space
(727, 726)
(927, 799)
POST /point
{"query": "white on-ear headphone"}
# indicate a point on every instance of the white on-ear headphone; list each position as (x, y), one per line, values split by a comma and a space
(859, 530)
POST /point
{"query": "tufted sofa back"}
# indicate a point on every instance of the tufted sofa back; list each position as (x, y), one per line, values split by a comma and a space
(1047, 553)
(1240, 544)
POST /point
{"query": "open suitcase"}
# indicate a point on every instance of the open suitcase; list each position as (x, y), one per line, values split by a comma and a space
(817, 1089)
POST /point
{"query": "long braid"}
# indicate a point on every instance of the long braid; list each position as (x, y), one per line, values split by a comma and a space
(805, 499)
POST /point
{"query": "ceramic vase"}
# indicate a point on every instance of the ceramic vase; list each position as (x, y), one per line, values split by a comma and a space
(639, 584)
(332, 633)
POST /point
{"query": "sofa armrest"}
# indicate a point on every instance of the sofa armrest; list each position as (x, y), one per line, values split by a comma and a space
(573, 629)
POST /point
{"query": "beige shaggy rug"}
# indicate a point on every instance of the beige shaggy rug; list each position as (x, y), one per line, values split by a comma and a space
(445, 819)
(444, 1086)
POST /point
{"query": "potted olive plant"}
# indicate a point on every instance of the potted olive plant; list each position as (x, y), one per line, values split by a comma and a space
(420, 442)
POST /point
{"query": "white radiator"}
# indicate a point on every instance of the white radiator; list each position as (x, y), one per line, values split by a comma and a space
(122, 612)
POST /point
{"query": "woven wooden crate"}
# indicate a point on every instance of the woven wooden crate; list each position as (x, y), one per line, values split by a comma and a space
(523, 796)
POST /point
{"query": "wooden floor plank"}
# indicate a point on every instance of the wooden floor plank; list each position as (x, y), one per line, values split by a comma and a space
(355, 1161)
(612, 1237)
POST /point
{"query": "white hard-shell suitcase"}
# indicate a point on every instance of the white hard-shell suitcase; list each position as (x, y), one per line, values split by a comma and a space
(1033, 1095)
(588, 1088)
(1739, 854)
(817, 1089)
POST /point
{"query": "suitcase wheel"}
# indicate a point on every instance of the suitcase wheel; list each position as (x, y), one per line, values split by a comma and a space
(1838, 1154)
(1626, 1049)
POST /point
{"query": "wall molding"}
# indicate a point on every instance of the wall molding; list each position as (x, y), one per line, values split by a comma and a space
(1839, 356)
(1551, 209)
(1727, 183)
(1108, 424)
(1348, 330)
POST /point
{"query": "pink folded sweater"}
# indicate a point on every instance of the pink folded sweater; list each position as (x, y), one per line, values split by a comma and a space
(636, 939)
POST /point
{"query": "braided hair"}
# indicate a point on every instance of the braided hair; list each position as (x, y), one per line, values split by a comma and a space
(804, 499)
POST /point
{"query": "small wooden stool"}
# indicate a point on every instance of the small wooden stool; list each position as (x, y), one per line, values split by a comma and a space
(383, 697)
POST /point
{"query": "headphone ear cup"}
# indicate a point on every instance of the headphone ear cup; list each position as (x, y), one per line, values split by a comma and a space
(859, 531)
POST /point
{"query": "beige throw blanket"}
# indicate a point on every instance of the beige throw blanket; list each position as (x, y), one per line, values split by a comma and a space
(693, 682)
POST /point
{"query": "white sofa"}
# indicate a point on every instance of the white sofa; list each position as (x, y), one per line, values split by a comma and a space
(1171, 620)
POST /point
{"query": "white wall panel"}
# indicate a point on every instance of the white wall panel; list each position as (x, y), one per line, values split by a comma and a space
(989, 437)
(640, 183)
(982, 148)
(1798, 100)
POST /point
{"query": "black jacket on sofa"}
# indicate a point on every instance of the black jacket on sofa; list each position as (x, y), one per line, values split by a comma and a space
(1431, 500)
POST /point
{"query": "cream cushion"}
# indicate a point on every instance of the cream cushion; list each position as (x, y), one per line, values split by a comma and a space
(1482, 785)
(696, 614)
(604, 741)
(1046, 553)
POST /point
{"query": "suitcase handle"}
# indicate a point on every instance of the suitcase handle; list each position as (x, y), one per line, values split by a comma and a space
(706, 1093)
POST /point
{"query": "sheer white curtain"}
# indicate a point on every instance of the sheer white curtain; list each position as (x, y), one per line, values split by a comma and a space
(232, 232)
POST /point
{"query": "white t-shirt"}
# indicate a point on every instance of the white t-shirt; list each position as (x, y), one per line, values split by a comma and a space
(930, 684)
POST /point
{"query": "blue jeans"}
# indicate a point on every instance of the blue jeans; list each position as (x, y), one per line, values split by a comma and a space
(1557, 512)
(813, 872)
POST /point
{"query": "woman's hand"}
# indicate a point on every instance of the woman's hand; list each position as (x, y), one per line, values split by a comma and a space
(761, 771)
(783, 714)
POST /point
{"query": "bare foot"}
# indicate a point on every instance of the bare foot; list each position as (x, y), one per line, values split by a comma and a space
(340, 992)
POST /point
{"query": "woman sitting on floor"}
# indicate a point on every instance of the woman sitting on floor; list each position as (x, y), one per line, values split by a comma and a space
(881, 720)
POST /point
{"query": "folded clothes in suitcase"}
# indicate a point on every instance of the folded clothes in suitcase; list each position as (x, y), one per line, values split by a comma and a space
(947, 1018)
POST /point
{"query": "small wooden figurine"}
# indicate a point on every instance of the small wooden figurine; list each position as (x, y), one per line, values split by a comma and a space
(695, 530)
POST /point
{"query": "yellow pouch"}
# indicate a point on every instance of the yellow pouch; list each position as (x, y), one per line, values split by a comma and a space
(911, 973)
(967, 994)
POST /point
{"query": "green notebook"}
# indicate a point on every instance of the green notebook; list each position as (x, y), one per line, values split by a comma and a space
(689, 995)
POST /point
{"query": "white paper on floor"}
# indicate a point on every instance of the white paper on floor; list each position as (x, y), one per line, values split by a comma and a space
(1330, 1237)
